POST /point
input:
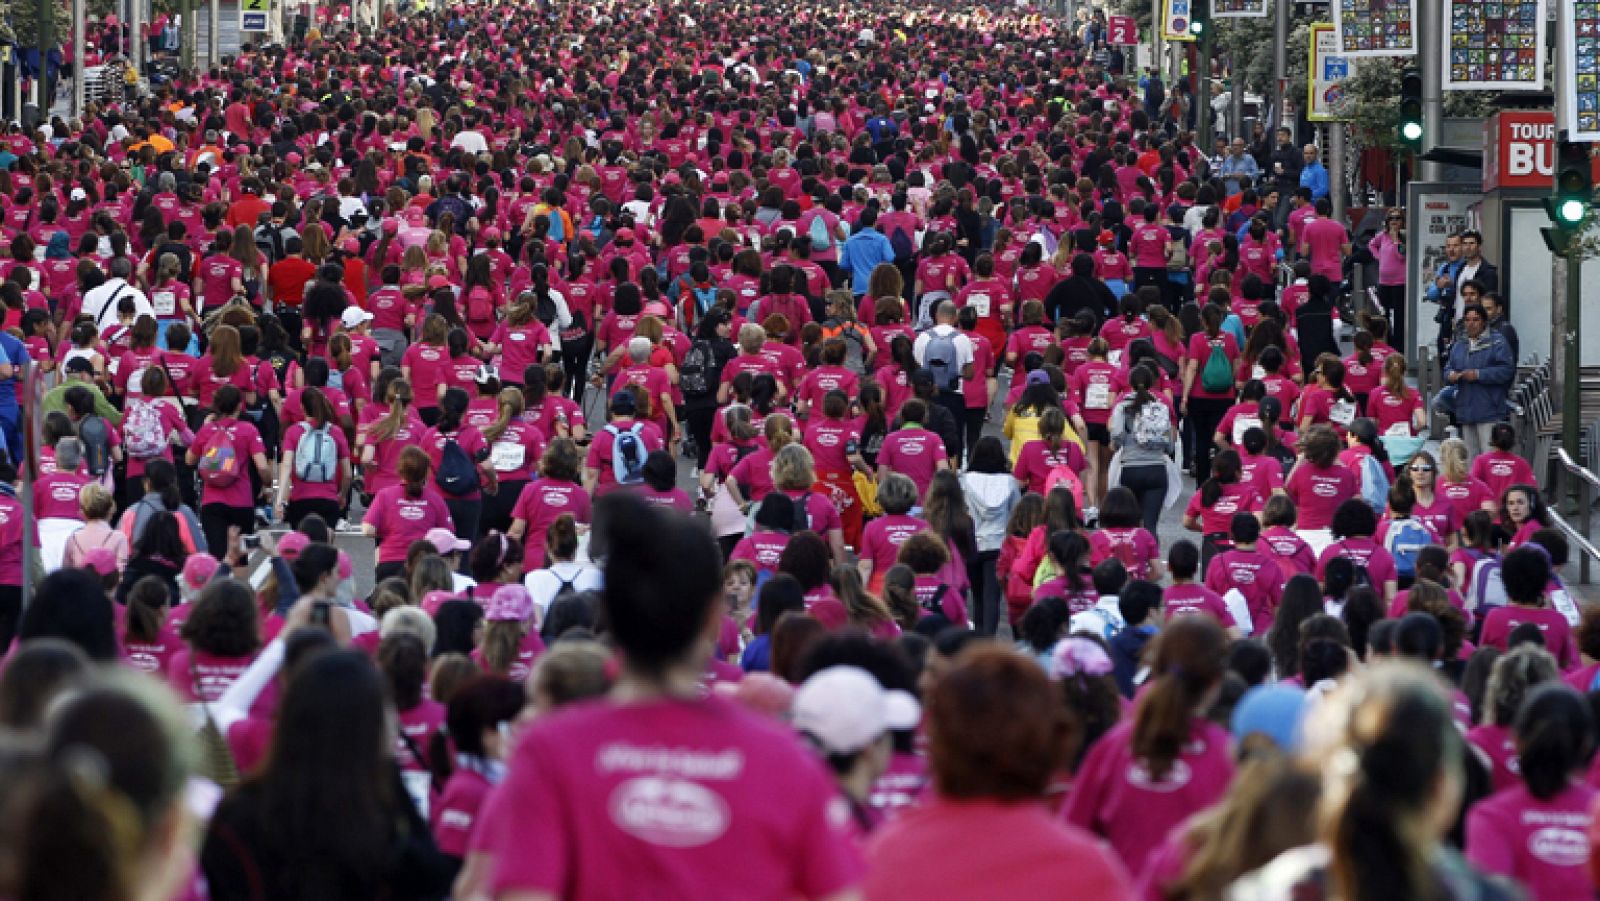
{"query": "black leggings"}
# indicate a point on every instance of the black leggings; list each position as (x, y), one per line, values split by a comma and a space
(700, 421)
(1393, 300)
(10, 611)
(1205, 414)
(295, 511)
(575, 362)
(215, 520)
(497, 507)
(466, 515)
(1149, 485)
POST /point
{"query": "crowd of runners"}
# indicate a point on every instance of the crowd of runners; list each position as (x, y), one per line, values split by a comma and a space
(807, 451)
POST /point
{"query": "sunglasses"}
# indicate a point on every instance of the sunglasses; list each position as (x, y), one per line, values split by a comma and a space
(1422, 467)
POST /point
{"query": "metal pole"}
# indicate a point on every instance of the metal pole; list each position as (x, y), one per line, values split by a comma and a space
(1236, 102)
(1569, 275)
(1280, 65)
(136, 41)
(1336, 170)
(214, 33)
(1430, 52)
(79, 35)
(47, 40)
(1202, 116)
(190, 34)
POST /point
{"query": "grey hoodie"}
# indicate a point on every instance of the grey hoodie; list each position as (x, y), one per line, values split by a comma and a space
(990, 497)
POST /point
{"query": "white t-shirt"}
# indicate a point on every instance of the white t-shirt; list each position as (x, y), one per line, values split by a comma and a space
(544, 584)
(471, 141)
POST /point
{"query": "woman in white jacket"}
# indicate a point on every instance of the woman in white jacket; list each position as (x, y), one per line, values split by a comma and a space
(991, 492)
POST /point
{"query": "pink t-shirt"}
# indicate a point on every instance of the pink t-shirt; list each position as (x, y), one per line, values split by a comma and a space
(761, 548)
(829, 441)
(542, 501)
(1290, 550)
(914, 453)
(1135, 547)
(456, 812)
(1500, 470)
(56, 495)
(1116, 797)
(1325, 239)
(427, 365)
(11, 519)
(1217, 517)
(1500, 746)
(1499, 623)
(1465, 496)
(301, 490)
(200, 675)
(471, 441)
(1542, 844)
(399, 520)
(1200, 348)
(882, 537)
(519, 346)
(1256, 576)
(1317, 492)
(1036, 460)
(1364, 553)
(1192, 597)
(708, 799)
(599, 457)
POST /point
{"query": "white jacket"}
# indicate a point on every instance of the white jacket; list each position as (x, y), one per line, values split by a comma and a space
(990, 497)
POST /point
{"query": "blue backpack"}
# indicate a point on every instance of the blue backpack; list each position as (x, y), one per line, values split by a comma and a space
(1374, 483)
(1405, 538)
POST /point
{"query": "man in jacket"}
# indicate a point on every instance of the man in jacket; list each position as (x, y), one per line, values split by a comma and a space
(863, 251)
(1480, 369)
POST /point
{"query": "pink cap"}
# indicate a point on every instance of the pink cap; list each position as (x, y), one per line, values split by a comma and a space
(198, 570)
(391, 226)
(491, 233)
(624, 234)
(433, 600)
(445, 541)
(761, 692)
(293, 159)
(438, 281)
(350, 245)
(510, 603)
(102, 560)
(291, 544)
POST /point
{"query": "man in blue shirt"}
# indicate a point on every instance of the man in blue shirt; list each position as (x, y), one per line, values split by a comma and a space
(1235, 164)
(13, 364)
(1313, 174)
(864, 251)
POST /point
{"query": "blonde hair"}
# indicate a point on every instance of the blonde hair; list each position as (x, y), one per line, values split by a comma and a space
(96, 502)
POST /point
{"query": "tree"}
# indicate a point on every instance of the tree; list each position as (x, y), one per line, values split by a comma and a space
(23, 16)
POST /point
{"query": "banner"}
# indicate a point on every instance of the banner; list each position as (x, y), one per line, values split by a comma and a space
(1580, 88)
(253, 14)
(1494, 46)
(1175, 20)
(1375, 27)
(1238, 9)
(1121, 31)
(1328, 100)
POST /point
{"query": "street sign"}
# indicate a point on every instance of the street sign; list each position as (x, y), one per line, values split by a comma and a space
(1329, 70)
(1175, 21)
(253, 15)
(1121, 31)
(1494, 45)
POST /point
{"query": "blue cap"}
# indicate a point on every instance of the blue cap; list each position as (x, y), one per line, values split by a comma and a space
(1272, 710)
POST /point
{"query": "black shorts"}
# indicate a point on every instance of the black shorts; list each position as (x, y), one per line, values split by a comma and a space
(1098, 432)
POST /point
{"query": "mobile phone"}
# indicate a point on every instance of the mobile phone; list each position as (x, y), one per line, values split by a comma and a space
(250, 542)
(320, 613)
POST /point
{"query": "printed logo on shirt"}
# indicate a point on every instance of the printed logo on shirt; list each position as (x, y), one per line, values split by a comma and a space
(1556, 845)
(670, 812)
(1322, 486)
(1178, 775)
(413, 512)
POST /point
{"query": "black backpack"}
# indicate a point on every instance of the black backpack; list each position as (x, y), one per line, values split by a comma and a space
(95, 433)
(802, 516)
(694, 376)
(458, 474)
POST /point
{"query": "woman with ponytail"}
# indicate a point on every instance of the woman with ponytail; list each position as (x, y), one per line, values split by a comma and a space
(388, 436)
(322, 491)
(515, 446)
(663, 597)
(465, 500)
(1146, 776)
(1536, 832)
(521, 340)
(404, 512)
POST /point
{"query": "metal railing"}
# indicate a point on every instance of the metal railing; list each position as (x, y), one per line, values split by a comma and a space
(1588, 484)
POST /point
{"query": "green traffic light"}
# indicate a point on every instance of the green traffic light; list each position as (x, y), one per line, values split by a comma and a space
(1571, 210)
(1197, 28)
(1411, 131)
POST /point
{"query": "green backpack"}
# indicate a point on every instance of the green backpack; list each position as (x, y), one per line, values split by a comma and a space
(1217, 376)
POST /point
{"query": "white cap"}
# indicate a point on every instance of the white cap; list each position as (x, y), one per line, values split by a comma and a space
(844, 709)
(78, 194)
(352, 317)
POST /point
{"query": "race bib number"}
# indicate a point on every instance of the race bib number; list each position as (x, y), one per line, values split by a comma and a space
(164, 302)
(508, 456)
(419, 786)
(1242, 424)
(1097, 396)
(1258, 373)
(979, 302)
(1114, 357)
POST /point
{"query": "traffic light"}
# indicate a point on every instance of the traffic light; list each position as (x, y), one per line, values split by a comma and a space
(1568, 205)
(1410, 125)
(1199, 17)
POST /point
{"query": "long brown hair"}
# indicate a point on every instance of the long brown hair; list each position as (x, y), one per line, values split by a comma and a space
(511, 407)
(319, 410)
(1189, 659)
(399, 400)
(226, 356)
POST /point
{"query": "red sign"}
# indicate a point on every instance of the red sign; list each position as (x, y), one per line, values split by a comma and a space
(1121, 30)
(1519, 149)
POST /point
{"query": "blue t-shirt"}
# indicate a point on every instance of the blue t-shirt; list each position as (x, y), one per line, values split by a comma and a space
(15, 353)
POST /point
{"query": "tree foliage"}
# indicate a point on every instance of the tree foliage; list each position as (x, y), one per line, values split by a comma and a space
(23, 18)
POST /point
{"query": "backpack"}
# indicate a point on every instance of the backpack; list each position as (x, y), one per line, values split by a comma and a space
(941, 359)
(564, 586)
(1374, 483)
(480, 305)
(457, 475)
(558, 229)
(1151, 428)
(1217, 376)
(802, 516)
(95, 433)
(627, 454)
(1168, 365)
(316, 456)
(855, 353)
(694, 376)
(220, 465)
(1404, 539)
(704, 298)
(1486, 588)
(142, 431)
(904, 247)
(1062, 474)
(335, 378)
(821, 238)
